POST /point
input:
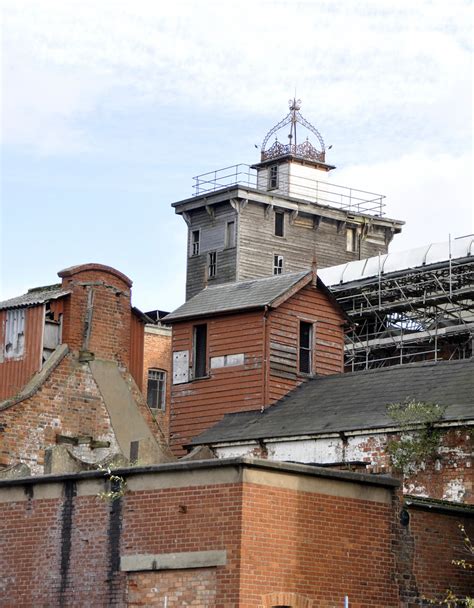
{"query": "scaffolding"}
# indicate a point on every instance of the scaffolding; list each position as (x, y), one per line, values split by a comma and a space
(422, 311)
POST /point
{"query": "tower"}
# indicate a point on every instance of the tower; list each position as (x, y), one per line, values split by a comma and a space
(280, 214)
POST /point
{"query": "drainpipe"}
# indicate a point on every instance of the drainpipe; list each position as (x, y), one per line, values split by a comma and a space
(266, 363)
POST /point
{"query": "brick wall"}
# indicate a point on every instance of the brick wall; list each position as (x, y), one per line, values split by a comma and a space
(157, 355)
(289, 533)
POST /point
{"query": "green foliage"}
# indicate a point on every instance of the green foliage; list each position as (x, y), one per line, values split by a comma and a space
(116, 483)
(419, 439)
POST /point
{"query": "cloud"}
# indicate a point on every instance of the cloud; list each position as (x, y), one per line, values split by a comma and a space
(351, 62)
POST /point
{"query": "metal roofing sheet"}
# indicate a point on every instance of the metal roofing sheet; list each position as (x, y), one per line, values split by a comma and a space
(35, 296)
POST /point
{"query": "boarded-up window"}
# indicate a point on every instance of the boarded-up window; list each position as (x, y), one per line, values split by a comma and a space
(180, 366)
(351, 239)
(200, 351)
(156, 389)
(277, 264)
(279, 223)
(306, 342)
(14, 344)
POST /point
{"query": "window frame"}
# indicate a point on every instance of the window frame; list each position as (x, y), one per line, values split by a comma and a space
(212, 264)
(273, 177)
(351, 242)
(229, 239)
(307, 349)
(277, 258)
(195, 245)
(160, 390)
(200, 362)
(279, 214)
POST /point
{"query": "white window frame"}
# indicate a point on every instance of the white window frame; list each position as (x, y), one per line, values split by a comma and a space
(273, 177)
(278, 264)
(212, 264)
(195, 246)
(159, 376)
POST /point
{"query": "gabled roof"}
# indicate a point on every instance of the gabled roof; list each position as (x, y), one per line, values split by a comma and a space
(353, 401)
(35, 296)
(244, 295)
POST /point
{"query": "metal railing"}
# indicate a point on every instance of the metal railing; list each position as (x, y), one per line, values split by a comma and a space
(324, 193)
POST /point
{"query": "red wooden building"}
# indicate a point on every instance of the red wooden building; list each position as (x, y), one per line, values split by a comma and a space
(242, 346)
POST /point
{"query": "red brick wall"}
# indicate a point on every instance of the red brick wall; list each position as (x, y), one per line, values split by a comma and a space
(279, 541)
(180, 587)
(111, 311)
(157, 355)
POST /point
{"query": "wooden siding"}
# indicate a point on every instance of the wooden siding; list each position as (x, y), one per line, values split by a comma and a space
(301, 242)
(311, 305)
(199, 404)
(137, 341)
(15, 373)
(212, 238)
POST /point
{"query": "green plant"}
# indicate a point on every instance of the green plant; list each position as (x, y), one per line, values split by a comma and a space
(419, 438)
(116, 483)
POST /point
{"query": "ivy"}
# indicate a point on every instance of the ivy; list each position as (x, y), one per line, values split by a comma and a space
(419, 440)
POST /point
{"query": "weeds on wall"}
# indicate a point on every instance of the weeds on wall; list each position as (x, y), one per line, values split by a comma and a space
(419, 440)
(116, 483)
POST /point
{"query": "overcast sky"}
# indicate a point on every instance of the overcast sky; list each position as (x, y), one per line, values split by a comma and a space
(109, 108)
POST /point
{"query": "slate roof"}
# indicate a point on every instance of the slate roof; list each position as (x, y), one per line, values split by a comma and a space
(38, 295)
(229, 297)
(353, 401)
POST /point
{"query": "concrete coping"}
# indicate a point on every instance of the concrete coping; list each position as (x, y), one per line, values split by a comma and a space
(240, 462)
(173, 561)
(439, 506)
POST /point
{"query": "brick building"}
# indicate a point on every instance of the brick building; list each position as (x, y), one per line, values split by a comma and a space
(71, 373)
(227, 533)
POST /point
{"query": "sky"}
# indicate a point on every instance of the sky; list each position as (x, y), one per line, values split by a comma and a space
(110, 108)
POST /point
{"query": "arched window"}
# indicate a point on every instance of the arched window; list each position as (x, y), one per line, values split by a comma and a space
(156, 389)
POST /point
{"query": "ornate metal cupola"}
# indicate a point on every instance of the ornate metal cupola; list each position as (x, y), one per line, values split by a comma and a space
(294, 169)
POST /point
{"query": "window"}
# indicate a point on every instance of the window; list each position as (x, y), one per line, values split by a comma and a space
(306, 342)
(156, 389)
(279, 223)
(351, 239)
(277, 264)
(195, 239)
(230, 234)
(273, 177)
(212, 264)
(200, 351)
(14, 344)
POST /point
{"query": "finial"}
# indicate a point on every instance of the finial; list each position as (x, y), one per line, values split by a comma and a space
(295, 104)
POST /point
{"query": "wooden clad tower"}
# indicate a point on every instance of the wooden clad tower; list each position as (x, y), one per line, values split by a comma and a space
(279, 215)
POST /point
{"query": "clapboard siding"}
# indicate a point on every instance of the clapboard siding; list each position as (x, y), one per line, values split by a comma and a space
(199, 404)
(311, 305)
(212, 238)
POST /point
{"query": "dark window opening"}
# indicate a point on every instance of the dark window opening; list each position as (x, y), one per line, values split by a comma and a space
(195, 238)
(212, 264)
(273, 177)
(279, 223)
(277, 264)
(200, 351)
(156, 389)
(230, 234)
(306, 340)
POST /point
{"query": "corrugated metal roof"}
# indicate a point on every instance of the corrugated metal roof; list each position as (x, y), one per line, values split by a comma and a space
(35, 296)
(255, 293)
(433, 253)
(353, 401)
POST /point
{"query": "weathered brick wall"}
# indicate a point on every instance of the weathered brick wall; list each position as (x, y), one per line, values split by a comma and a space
(100, 298)
(307, 539)
(157, 355)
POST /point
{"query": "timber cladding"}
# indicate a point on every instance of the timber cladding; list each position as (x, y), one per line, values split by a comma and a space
(226, 533)
(268, 343)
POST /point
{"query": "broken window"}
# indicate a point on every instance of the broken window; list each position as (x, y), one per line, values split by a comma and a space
(195, 240)
(230, 234)
(212, 264)
(351, 239)
(200, 351)
(277, 264)
(279, 223)
(273, 177)
(306, 343)
(156, 389)
(14, 344)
